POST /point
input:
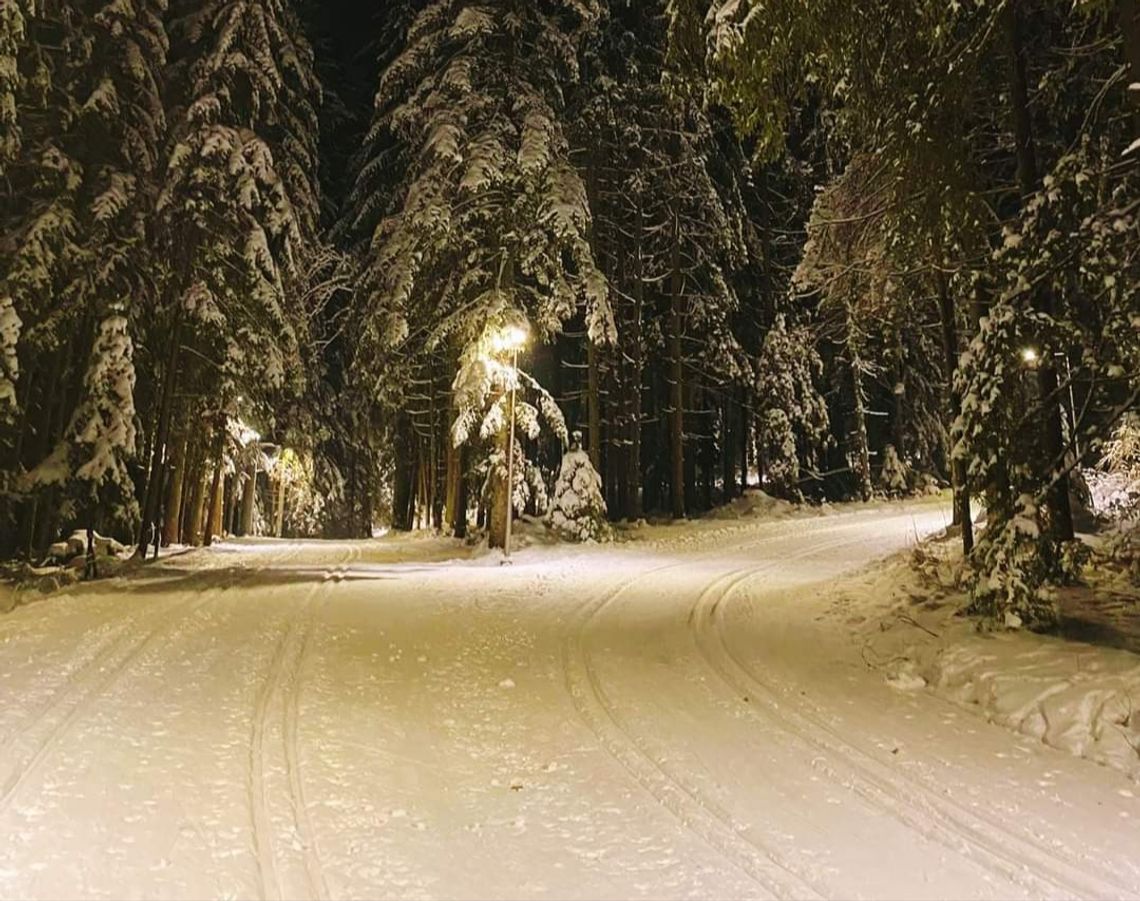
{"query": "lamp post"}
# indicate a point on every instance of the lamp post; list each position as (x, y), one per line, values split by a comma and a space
(511, 340)
(1032, 358)
(1072, 400)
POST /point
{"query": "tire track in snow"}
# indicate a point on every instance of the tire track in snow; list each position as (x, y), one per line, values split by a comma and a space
(95, 678)
(283, 679)
(909, 801)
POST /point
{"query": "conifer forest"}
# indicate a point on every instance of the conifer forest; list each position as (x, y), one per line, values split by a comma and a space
(257, 254)
(789, 351)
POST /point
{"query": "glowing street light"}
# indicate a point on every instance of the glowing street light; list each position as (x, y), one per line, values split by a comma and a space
(1032, 358)
(510, 340)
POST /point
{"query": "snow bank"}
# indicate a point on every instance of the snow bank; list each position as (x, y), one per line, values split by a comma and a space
(1072, 696)
(1075, 696)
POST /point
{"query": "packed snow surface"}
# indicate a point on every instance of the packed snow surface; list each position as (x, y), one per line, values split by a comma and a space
(684, 715)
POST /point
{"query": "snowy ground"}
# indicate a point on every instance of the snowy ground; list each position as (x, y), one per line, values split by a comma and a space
(685, 715)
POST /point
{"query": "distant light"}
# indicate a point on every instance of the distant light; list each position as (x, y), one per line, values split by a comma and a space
(1030, 355)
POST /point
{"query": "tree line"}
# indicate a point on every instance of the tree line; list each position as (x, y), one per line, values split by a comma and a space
(752, 242)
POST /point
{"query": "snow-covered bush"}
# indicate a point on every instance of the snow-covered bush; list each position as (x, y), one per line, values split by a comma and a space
(1009, 585)
(894, 478)
(578, 510)
(1116, 485)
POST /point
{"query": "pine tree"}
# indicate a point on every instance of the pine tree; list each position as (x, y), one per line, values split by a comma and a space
(668, 231)
(792, 415)
(91, 462)
(236, 217)
(92, 127)
(578, 509)
(14, 16)
(492, 218)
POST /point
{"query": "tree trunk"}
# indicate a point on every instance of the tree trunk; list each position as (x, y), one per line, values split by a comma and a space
(214, 514)
(1043, 300)
(593, 406)
(633, 474)
(728, 448)
(279, 508)
(861, 448)
(500, 498)
(173, 513)
(162, 432)
(229, 516)
(190, 486)
(957, 466)
(90, 566)
(676, 378)
(249, 496)
(459, 510)
(197, 503)
(403, 485)
(745, 442)
(451, 479)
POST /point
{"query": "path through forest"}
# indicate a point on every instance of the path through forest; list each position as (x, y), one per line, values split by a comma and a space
(681, 716)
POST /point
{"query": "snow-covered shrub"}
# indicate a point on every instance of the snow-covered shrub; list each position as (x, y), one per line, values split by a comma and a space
(1012, 570)
(578, 510)
(1116, 485)
(894, 478)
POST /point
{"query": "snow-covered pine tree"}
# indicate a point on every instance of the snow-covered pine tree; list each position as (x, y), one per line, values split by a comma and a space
(1084, 212)
(237, 214)
(668, 231)
(492, 219)
(792, 419)
(84, 183)
(90, 463)
(494, 215)
(486, 390)
(239, 203)
(14, 15)
(578, 508)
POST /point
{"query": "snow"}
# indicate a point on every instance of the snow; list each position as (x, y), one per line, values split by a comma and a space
(1066, 693)
(681, 714)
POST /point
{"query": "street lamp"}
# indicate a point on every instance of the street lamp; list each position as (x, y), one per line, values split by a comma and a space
(510, 340)
(1031, 358)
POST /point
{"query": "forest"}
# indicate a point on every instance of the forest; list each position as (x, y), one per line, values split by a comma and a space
(299, 268)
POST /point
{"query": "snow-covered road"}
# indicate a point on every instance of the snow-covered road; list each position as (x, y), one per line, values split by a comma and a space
(682, 716)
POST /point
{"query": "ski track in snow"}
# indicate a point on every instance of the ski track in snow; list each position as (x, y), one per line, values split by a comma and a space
(698, 814)
(111, 659)
(291, 877)
(327, 772)
(1010, 856)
